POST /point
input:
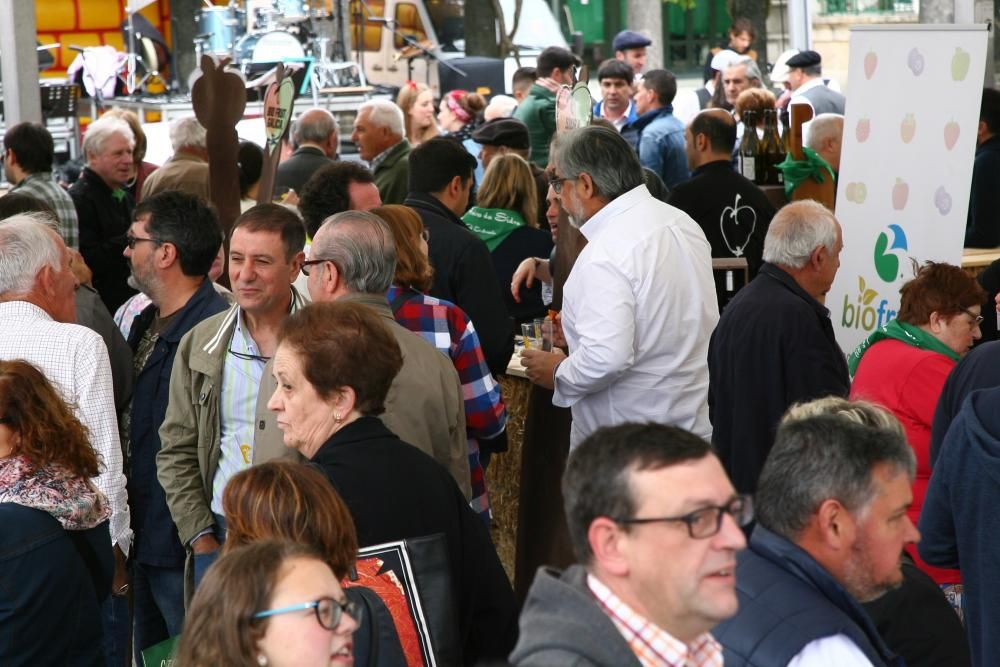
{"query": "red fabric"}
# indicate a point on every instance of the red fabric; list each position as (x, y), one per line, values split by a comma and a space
(908, 381)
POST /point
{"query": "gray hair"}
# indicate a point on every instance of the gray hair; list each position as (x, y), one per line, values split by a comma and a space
(753, 70)
(798, 229)
(501, 106)
(824, 126)
(602, 154)
(823, 457)
(361, 246)
(186, 132)
(384, 113)
(859, 412)
(101, 130)
(314, 126)
(28, 243)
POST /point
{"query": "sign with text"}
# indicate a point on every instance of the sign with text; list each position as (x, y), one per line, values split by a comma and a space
(906, 163)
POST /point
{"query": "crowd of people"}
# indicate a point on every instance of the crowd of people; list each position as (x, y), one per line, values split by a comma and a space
(203, 429)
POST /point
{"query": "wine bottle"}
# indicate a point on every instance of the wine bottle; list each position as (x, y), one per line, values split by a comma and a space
(749, 146)
(774, 148)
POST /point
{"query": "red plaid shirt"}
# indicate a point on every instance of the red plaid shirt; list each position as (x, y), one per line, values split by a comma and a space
(652, 645)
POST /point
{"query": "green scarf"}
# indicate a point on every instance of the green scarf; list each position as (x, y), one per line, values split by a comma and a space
(492, 225)
(796, 171)
(908, 333)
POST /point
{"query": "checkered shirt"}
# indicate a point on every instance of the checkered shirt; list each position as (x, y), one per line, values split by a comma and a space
(652, 645)
(445, 326)
(43, 187)
(75, 360)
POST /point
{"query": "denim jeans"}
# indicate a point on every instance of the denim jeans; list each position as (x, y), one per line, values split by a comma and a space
(114, 619)
(157, 605)
(203, 561)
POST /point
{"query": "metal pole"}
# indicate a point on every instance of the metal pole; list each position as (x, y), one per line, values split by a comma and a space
(19, 71)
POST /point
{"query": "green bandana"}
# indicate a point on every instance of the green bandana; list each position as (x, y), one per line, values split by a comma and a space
(908, 333)
(492, 225)
(796, 171)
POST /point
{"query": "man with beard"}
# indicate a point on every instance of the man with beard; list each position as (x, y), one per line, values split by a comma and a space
(638, 307)
(831, 527)
(170, 247)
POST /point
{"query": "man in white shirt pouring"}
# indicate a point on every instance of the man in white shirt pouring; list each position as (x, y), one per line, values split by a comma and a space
(638, 307)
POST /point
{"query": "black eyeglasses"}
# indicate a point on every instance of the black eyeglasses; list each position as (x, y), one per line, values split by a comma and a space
(329, 612)
(976, 319)
(130, 241)
(707, 521)
(557, 183)
(247, 357)
(309, 262)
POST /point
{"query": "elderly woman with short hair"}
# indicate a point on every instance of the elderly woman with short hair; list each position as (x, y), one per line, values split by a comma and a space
(903, 365)
(334, 365)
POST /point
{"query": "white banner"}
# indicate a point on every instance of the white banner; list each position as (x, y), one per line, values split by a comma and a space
(906, 163)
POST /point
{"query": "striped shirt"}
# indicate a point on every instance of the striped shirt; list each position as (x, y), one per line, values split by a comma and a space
(237, 409)
(43, 187)
(653, 646)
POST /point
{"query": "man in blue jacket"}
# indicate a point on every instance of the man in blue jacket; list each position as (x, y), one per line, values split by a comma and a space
(171, 244)
(657, 134)
(832, 524)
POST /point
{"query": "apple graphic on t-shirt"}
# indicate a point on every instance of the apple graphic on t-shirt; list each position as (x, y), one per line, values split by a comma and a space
(737, 224)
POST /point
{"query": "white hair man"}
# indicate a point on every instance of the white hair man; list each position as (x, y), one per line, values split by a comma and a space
(38, 312)
(187, 168)
(824, 137)
(104, 207)
(379, 135)
(316, 141)
(774, 345)
(639, 306)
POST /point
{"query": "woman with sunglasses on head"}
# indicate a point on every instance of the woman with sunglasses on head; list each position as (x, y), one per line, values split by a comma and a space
(903, 366)
(56, 562)
(270, 603)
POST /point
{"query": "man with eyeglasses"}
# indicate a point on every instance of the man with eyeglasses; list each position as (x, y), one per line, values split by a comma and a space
(655, 526)
(639, 305)
(831, 527)
(217, 422)
(170, 247)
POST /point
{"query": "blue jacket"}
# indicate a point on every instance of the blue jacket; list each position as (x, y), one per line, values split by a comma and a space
(632, 114)
(156, 541)
(788, 600)
(959, 523)
(50, 597)
(659, 137)
(982, 226)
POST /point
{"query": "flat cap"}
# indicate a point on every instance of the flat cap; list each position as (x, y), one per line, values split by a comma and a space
(805, 59)
(629, 39)
(508, 132)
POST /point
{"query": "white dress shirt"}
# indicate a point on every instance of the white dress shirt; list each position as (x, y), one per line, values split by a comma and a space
(833, 651)
(639, 308)
(75, 360)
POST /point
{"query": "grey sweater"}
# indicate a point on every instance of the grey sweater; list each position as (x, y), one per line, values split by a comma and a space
(563, 626)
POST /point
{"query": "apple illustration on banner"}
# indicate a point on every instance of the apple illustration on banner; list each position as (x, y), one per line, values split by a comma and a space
(871, 62)
(915, 61)
(951, 132)
(959, 64)
(908, 128)
(856, 192)
(942, 200)
(900, 193)
(862, 130)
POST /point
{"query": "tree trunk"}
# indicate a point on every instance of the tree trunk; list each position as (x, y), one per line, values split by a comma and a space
(756, 11)
(646, 16)
(937, 11)
(481, 30)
